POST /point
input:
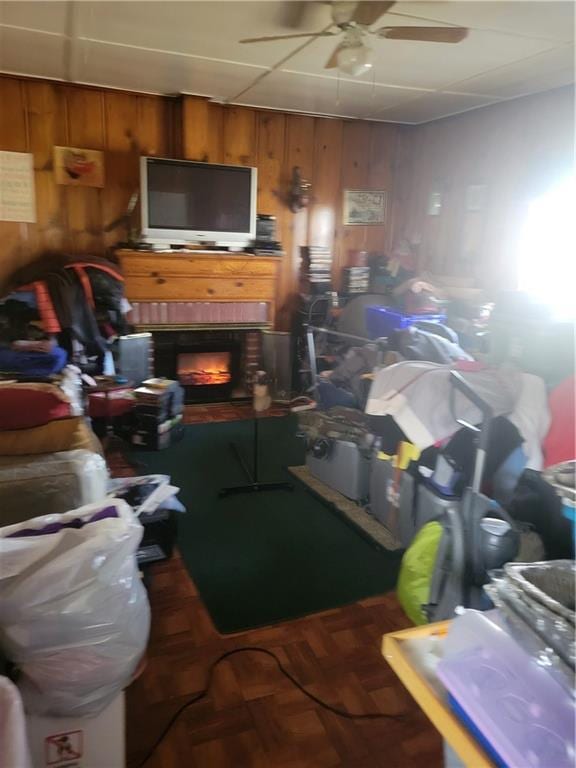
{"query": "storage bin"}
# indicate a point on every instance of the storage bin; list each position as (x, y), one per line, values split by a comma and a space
(345, 469)
(79, 742)
(523, 716)
(381, 321)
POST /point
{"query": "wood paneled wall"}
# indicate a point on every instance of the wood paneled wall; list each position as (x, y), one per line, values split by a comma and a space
(517, 149)
(37, 115)
(333, 154)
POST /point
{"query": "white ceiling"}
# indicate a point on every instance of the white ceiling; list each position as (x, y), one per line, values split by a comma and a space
(514, 48)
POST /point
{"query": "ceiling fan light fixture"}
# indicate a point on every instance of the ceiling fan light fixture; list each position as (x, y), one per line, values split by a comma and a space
(355, 60)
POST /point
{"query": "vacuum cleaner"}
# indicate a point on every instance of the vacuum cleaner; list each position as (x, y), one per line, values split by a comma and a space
(441, 572)
(478, 535)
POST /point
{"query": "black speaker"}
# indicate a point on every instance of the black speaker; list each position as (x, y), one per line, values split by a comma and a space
(277, 362)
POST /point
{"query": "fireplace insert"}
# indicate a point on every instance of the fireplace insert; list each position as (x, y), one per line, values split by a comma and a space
(208, 364)
(196, 369)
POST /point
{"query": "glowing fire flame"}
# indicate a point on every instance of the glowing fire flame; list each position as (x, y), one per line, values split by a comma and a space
(204, 368)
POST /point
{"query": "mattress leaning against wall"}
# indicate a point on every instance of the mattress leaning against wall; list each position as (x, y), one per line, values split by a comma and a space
(49, 484)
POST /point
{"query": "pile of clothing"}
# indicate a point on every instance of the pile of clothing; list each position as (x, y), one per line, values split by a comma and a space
(61, 310)
(414, 400)
(348, 383)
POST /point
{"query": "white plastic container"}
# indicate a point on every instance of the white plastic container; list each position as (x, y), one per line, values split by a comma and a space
(345, 469)
(79, 742)
(520, 713)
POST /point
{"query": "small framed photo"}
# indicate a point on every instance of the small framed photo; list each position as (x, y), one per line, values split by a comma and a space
(364, 206)
(79, 167)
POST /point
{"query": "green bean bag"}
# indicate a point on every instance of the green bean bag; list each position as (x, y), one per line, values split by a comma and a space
(416, 571)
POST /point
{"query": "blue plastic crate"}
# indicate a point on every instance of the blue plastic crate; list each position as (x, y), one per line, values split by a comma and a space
(381, 321)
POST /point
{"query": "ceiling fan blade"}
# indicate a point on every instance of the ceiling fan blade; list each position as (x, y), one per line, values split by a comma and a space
(332, 62)
(424, 34)
(368, 13)
(286, 37)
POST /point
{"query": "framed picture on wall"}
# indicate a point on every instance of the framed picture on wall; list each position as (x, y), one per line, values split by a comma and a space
(364, 206)
(79, 167)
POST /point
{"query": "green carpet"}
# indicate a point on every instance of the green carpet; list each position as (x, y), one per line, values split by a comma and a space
(259, 559)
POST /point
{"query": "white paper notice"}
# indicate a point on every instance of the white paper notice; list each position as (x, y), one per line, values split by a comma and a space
(17, 198)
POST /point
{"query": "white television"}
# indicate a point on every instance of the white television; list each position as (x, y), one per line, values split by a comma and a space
(186, 201)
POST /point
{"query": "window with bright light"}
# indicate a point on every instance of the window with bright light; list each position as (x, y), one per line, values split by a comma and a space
(547, 250)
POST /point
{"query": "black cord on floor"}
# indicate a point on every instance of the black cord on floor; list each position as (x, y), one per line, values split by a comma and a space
(255, 649)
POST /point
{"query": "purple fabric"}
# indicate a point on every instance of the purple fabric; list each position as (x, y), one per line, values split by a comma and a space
(103, 514)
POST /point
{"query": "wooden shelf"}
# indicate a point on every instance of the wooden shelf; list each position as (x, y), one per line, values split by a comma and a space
(140, 328)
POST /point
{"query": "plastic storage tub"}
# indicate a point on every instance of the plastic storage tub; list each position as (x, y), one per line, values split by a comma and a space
(345, 469)
(381, 321)
(49, 483)
(522, 715)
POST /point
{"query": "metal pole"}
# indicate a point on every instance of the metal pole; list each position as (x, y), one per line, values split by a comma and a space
(255, 478)
(312, 358)
(327, 331)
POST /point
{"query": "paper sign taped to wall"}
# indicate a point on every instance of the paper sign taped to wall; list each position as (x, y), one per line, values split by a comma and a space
(17, 197)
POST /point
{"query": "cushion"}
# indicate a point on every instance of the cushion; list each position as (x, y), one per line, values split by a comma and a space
(61, 435)
(23, 406)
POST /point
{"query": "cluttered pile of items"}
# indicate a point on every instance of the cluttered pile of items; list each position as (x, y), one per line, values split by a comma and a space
(68, 657)
(60, 311)
(450, 423)
(74, 612)
(434, 415)
(504, 678)
(64, 334)
(74, 545)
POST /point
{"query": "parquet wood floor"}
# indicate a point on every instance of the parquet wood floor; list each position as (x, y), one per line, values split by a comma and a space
(253, 716)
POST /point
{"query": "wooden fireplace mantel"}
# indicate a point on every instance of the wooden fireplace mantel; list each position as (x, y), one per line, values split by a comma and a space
(211, 276)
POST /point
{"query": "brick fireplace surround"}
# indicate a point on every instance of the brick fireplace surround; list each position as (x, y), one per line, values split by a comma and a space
(244, 347)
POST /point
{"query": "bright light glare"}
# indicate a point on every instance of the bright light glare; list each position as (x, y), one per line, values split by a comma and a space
(354, 60)
(547, 250)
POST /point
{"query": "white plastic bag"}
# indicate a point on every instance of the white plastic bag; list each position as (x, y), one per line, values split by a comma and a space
(74, 615)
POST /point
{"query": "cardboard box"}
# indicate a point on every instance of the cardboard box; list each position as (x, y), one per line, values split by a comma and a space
(151, 433)
(79, 742)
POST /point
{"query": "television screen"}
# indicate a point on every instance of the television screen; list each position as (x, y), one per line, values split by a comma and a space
(199, 197)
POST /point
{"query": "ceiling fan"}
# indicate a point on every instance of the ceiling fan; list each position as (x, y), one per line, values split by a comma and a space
(352, 56)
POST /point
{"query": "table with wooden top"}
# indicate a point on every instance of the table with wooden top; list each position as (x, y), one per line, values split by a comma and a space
(412, 653)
